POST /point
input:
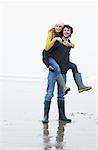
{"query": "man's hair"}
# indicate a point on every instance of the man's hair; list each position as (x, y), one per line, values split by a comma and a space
(69, 27)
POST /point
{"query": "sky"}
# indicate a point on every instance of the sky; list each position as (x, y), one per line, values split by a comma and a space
(23, 30)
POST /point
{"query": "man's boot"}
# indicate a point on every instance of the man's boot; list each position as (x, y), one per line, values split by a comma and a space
(46, 111)
(79, 83)
(61, 110)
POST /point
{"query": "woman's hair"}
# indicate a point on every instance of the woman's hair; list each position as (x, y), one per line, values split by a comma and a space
(60, 34)
(69, 27)
(55, 34)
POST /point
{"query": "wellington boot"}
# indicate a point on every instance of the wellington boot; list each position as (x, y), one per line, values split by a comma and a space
(62, 84)
(46, 111)
(61, 109)
(79, 83)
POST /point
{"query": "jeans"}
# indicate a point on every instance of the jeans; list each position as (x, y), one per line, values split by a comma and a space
(54, 64)
(51, 85)
(74, 68)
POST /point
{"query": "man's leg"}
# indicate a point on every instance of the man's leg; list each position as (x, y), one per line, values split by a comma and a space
(49, 94)
(61, 104)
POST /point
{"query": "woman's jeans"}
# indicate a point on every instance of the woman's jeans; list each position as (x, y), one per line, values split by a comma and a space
(54, 64)
(74, 68)
(51, 85)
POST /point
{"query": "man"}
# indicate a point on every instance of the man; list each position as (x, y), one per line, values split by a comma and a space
(60, 52)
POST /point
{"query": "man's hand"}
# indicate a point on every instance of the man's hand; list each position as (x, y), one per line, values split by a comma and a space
(51, 68)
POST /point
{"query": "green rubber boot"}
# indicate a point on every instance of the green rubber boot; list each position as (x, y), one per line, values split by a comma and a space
(79, 83)
(46, 111)
(61, 110)
(62, 84)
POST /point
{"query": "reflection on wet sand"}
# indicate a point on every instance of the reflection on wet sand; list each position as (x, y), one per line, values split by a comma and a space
(59, 137)
(46, 137)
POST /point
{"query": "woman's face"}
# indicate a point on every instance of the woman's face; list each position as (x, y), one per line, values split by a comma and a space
(66, 32)
(58, 28)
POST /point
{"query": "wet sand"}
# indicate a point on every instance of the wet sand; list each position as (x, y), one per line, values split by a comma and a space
(21, 112)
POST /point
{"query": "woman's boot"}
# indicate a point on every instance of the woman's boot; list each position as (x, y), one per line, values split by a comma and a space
(62, 84)
(46, 111)
(61, 110)
(79, 83)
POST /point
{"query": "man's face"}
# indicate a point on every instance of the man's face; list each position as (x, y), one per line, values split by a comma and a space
(58, 28)
(66, 32)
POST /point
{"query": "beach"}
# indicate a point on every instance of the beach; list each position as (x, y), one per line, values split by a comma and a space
(21, 114)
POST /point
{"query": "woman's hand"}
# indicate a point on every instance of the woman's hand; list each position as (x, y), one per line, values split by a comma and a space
(66, 43)
(57, 39)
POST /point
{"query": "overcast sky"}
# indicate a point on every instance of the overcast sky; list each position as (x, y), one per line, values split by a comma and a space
(23, 30)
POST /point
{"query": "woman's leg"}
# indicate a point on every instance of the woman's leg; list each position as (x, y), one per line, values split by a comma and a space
(59, 77)
(78, 78)
(55, 65)
(74, 68)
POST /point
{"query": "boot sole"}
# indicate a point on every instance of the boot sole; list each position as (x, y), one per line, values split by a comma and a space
(66, 121)
(67, 90)
(82, 90)
(45, 122)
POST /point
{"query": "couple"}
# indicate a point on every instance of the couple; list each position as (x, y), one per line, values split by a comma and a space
(56, 56)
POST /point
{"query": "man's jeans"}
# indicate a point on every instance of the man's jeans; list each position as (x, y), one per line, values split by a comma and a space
(51, 85)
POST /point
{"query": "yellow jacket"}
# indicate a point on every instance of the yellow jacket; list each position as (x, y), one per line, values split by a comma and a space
(49, 41)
